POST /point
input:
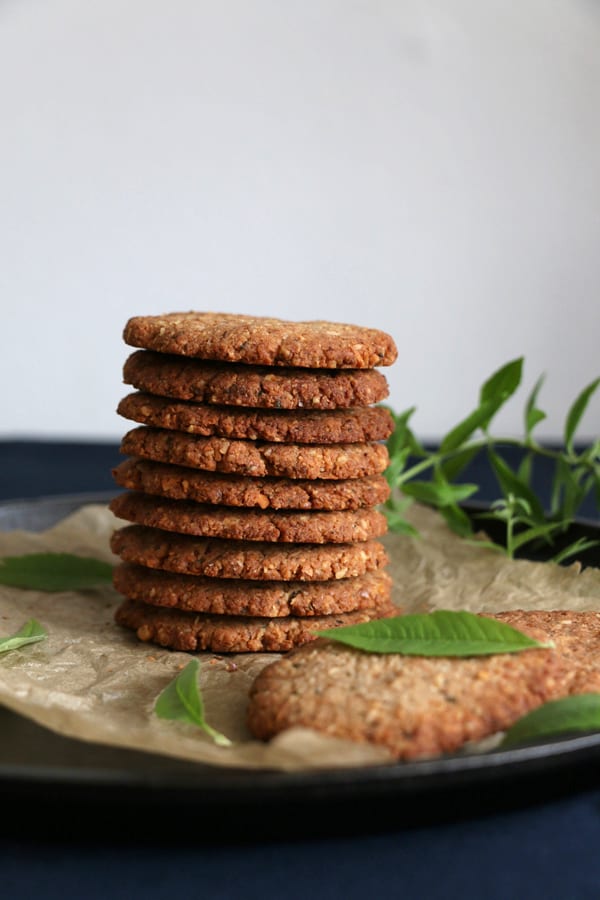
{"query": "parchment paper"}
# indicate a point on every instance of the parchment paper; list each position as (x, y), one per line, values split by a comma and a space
(95, 681)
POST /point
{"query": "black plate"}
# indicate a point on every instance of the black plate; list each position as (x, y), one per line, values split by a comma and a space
(42, 772)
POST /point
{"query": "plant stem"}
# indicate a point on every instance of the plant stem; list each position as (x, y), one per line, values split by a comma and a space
(436, 457)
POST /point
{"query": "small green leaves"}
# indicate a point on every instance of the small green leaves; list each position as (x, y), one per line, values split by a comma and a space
(181, 701)
(431, 476)
(440, 633)
(438, 494)
(54, 572)
(512, 485)
(30, 633)
(569, 714)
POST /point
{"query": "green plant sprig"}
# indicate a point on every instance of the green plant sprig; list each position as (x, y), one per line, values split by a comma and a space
(518, 508)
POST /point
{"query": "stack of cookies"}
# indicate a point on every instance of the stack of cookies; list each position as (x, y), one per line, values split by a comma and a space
(252, 481)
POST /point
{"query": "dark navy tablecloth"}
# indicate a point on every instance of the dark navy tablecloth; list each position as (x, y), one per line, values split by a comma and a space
(538, 849)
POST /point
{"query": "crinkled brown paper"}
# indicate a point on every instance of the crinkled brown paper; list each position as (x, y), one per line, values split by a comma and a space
(94, 681)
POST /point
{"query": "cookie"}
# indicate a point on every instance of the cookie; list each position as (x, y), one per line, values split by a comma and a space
(253, 560)
(240, 597)
(190, 632)
(231, 384)
(257, 458)
(184, 483)
(302, 426)
(287, 526)
(420, 707)
(260, 340)
(576, 636)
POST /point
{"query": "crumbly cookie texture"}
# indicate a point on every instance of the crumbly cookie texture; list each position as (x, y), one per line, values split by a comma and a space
(256, 560)
(232, 384)
(185, 483)
(576, 636)
(240, 597)
(260, 340)
(420, 707)
(295, 426)
(188, 631)
(187, 517)
(256, 458)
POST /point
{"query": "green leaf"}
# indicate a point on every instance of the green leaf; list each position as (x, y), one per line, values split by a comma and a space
(576, 412)
(574, 549)
(30, 633)
(457, 519)
(580, 712)
(453, 466)
(562, 473)
(533, 415)
(440, 633)
(524, 471)
(438, 494)
(461, 432)
(181, 700)
(396, 465)
(54, 572)
(572, 491)
(398, 524)
(502, 384)
(397, 439)
(511, 484)
(530, 534)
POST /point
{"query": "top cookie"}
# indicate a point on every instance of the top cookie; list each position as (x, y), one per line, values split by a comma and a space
(260, 340)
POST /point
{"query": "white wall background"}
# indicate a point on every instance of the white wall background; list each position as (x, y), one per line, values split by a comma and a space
(430, 167)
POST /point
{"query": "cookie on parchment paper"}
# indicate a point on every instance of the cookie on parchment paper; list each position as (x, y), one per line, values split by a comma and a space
(418, 706)
(231, 384)
(302, 426)
(256, 458)
(185, 483)
(262, 340)
(260, 560)
(188, 631)
(236, 523)
(239, 597)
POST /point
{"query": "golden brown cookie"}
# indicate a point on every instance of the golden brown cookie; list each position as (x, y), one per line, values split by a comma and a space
(185, 483)
(576, 636)
(240, 597)
(255, 560)
(257, 458)
(190, 632)
(288, 526)
(260, 340)
(420, 706)
(232, 384)
(301, 426)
